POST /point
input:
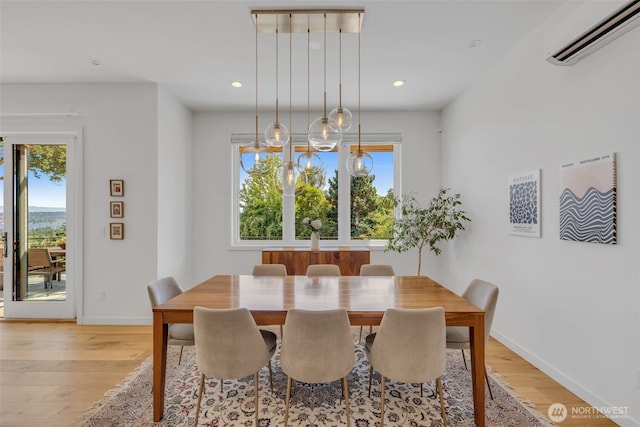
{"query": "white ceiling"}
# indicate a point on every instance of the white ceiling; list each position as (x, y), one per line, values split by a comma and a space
(196, 48)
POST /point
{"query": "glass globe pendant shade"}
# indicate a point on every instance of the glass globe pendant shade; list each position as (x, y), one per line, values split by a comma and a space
(253, 158)
(324, 134)
(342, 117)
(276, 135)
(359, 163)
(289, 179)
(309, 163)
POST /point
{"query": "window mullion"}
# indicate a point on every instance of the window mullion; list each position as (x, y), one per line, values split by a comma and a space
(344, 197)
(288, 206)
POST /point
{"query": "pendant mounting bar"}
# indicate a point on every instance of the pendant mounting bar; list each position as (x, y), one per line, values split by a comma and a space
(345, 20)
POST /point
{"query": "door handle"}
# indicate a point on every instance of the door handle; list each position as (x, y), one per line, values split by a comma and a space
(4, 244)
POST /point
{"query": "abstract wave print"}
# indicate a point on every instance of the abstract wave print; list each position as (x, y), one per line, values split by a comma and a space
(591, 218)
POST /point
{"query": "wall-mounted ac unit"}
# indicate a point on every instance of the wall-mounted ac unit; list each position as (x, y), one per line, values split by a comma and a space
(603, 32)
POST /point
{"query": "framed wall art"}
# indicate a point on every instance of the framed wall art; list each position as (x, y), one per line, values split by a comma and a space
(116, 187)
(117, 209)
(588, 196)
(524, 204)
(116, 231)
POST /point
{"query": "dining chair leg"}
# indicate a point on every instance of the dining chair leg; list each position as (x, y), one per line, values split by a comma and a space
(286, 413)
(486, 377)
(464, 359)
(221, 386)
(345, 391)
(271, 376)
(381, 400)
(180, 358)
(255, 380)
(439, 387)
(199, 398)
(421, 392)
(360, 336)
(370, 378)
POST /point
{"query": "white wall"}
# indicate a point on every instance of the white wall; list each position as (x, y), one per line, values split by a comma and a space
(120, 129)
(174, 189)
(572, 309)
(212, 185)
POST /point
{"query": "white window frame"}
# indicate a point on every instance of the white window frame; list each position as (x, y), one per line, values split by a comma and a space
(288, 203)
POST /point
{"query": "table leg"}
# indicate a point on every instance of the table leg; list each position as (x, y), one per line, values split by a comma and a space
(160, 337)
(476, 336)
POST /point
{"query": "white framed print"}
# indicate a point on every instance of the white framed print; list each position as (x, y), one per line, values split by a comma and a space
(524, 204)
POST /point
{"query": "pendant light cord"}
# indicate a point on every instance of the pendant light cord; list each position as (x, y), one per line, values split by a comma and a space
(325, 65)
(257, 143)
(308, 85)
(290, 90)
(359, 81)
(340, 72)
(277, 62)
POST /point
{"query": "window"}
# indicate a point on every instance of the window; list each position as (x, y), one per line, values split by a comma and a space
(353, 210)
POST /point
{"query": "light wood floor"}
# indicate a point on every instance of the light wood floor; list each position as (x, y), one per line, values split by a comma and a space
(50, 373)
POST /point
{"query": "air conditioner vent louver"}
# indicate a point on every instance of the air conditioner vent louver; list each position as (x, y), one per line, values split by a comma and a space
(604, 32)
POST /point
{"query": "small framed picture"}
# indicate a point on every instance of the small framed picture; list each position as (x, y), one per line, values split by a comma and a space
(116, 231)
(117, 187)
(117, 209)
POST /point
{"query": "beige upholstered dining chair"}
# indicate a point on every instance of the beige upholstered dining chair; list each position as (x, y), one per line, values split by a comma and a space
(269, 270)
(230, 345)
(273, 270)
(375, 270)
(316, 270)
(409, 347)
(161, 291)
(483, 295)
(317, 348)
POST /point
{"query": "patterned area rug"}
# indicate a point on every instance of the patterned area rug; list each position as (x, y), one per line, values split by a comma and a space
(312, 405)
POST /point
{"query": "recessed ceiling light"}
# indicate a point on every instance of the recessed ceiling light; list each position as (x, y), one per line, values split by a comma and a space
(95, 62)
(475, 43)
(399, 83)
(236, 84)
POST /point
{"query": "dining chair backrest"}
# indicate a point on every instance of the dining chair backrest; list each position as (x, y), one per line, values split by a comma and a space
(316, 270)
(162, 290)
(376, 270)
(410, 345)
(317, 346)
(228, 343)
(269, 270)
(483, 295)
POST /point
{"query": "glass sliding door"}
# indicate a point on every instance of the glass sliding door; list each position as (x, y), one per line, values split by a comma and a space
(37, 258)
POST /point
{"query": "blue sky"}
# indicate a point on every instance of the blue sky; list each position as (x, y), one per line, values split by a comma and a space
(382, 169)
(44, 193)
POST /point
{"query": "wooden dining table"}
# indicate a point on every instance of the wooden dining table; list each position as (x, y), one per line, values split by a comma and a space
(364, 298)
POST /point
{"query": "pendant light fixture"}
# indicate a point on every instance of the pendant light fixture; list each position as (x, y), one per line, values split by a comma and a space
(324, 133)
(359, 163)
(342, 116)
(256, 152)
(309, 162)
(276, 134)
(288, 176)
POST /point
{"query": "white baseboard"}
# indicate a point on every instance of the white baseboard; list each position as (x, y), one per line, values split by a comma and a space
(561, 378)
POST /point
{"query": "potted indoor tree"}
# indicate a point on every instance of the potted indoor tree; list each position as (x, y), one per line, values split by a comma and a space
(418, 227)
